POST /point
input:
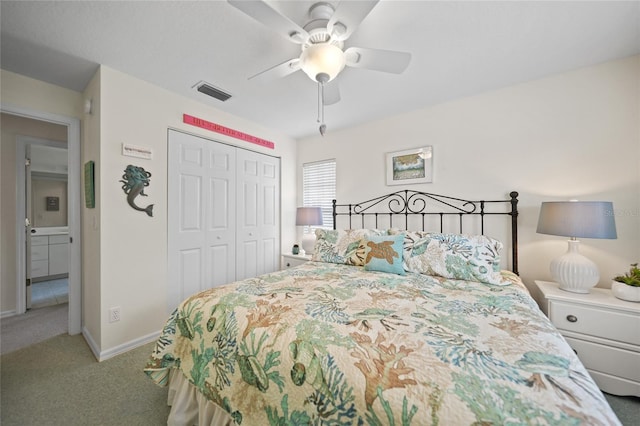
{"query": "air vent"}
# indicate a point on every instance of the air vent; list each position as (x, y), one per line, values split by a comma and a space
(214, 92)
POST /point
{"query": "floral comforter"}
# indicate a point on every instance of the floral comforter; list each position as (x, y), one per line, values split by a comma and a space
(334, 344)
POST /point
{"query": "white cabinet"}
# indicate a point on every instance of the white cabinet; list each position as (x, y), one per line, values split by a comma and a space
(49, 255)
(58, 254)
(603, 331)
(223, 215)
(39, 256)
(290, 260)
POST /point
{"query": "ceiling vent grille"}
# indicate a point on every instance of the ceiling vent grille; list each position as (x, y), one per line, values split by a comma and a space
(214, 92)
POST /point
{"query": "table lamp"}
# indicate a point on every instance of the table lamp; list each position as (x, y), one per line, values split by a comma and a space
(308, 216)
(576, 219)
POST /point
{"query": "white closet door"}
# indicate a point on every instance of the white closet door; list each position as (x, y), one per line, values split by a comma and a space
(258, 206)
(201, 215)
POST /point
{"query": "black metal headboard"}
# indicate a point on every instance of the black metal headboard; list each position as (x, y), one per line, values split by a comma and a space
(422, 205)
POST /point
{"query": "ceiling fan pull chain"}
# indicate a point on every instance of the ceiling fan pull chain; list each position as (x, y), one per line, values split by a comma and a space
(323, 127)
(319, 96)
(322, 101)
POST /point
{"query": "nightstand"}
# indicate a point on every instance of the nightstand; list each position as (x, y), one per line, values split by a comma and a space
(604, 331)
(290, 260)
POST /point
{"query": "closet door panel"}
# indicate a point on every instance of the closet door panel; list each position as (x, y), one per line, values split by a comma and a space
(219, 258)
(201, 180)
(186, 237)
(248, 233)
(270, 218)
(259, 176)
(221, 217)
(190, 271)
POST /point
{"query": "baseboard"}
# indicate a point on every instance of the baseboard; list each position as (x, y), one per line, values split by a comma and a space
(6, 314)
(92, 343)
(120, 349)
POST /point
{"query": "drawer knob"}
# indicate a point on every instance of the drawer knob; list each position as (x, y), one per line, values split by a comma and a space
(572, 318)
(288, 265)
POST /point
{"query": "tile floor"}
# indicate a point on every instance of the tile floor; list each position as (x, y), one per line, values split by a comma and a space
(48, 293)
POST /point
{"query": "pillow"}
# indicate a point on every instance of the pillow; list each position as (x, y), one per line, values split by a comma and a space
(344, 246)
(455, 256)
(384, 254)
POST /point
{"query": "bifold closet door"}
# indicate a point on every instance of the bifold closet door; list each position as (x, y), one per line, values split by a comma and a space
(258, 207)
(201, 215)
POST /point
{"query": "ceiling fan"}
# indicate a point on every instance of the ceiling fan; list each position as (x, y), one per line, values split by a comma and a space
(322, 40)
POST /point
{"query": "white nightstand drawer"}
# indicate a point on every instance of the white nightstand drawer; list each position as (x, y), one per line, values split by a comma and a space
(290, 260)
(605, 359)
(595, 322)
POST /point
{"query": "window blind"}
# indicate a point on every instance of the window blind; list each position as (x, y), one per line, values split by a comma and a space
(319, 189)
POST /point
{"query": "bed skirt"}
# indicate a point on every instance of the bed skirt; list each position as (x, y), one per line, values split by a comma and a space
(190, 407)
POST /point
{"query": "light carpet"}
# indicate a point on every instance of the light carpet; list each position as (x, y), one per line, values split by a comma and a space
(59, 382)
(34, 326)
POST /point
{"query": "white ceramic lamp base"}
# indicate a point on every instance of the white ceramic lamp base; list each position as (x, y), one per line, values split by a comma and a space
(308, 241)
(574, 272)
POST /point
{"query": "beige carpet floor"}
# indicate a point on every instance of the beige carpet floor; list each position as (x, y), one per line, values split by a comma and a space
(59, 382)
(34, 326)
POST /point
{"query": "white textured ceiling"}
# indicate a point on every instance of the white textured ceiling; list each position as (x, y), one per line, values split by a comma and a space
(459, 49)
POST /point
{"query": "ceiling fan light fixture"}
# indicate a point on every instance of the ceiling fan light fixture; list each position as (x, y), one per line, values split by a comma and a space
(322, 58)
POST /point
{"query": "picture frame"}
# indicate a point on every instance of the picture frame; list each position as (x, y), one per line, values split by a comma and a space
(410, 166)
(89, 185)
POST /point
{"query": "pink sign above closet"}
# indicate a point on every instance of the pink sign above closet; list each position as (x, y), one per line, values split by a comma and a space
(218, 128)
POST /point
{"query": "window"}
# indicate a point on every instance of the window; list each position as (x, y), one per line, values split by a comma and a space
(319, 189)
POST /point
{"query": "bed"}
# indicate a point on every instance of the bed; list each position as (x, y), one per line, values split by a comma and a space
(383, 326)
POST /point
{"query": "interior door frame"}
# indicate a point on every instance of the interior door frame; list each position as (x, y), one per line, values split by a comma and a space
(23, 182)
(74, 215)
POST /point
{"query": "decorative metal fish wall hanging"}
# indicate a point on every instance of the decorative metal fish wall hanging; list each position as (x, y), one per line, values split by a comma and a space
(135, 180)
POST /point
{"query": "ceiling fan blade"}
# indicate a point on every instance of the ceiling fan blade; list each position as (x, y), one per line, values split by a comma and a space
(281, 70)
(271, 18)
(376, 59)
(348, 15)
(331, 92)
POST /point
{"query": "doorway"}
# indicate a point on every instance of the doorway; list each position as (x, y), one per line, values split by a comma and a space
(73, 211)
(45, 189)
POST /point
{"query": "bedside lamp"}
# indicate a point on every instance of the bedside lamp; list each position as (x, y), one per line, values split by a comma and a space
(576, 219)
(308, 216)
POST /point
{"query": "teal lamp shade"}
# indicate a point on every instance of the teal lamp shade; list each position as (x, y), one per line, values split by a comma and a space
(576, 219)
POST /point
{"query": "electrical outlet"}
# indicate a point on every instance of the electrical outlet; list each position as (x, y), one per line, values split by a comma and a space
(114, 314)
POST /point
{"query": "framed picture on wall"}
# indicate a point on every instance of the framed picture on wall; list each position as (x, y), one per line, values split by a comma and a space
(410, 166)
(89, 185)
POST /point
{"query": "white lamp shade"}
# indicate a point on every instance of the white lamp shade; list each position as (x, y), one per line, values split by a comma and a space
(308, 216)
(322, 58)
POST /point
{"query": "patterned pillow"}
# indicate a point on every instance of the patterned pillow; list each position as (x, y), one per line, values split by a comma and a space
(384, 254)
(455, 256)
(344, 246)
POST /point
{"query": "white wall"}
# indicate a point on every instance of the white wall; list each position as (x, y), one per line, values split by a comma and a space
(572, 135)
(133, 246)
